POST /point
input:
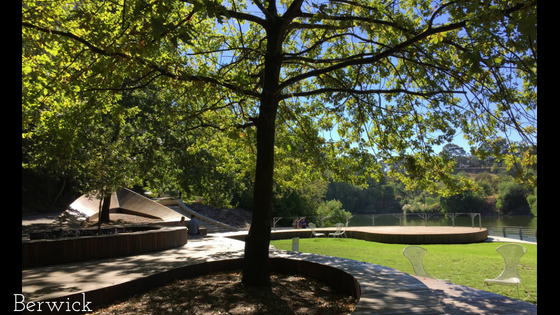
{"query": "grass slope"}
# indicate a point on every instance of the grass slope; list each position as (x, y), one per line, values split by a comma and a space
(464, 264)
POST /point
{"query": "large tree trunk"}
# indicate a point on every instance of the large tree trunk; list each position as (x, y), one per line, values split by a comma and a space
(104, 215)
(256, 271)
(256, 268)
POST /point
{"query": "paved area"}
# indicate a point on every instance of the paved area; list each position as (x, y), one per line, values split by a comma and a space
(461, 300)
(500, 239)
(384, 290)
(50, 282)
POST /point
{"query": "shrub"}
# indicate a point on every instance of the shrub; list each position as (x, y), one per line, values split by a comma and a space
(483, 177)
(332, 213)
(512, 198)
(466, 202)
(487, 189)
(532, 200)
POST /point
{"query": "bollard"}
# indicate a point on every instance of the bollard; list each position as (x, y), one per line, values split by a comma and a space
(295, 244)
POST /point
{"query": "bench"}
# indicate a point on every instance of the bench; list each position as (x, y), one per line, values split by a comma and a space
(202, 230)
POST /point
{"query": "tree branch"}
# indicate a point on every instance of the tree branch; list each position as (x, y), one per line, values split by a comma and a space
(363, 61)
(237, 15)
(78, 39)
(342, 19)
(252, 122)
(259, 5)
(362, 92)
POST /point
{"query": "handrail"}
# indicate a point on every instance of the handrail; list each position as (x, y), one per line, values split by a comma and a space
(298, 218)
(424, 215)
(515, 230)
(185, 208)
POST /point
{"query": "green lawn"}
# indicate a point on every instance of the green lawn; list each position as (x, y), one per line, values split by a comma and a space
(466, 264)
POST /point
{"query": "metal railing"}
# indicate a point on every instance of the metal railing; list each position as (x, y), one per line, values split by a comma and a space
(319, 220)
(518, 232)
(427, 215)
(400, 216)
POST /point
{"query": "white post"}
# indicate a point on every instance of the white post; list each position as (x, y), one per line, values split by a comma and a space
(295, 244)
(480, 221)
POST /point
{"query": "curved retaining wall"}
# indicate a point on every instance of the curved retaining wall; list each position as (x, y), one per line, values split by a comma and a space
(410, 235)
(60, 251)
(475, 236)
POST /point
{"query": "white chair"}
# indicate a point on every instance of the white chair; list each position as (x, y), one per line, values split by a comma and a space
(315, 234)
(343, 232)
(338, 231)
(512, 254)
(415, 255)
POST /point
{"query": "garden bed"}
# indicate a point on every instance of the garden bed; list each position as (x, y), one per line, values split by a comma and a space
(71, 233)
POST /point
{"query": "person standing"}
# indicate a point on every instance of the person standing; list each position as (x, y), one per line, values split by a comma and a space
(192, 226)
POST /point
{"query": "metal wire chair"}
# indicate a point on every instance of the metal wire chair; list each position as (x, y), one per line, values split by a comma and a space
(313, 232)
(511, 253)
(415, 255)
(338, 231)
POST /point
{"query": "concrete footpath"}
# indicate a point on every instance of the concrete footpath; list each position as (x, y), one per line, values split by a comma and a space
(384, 290)
(48, 282)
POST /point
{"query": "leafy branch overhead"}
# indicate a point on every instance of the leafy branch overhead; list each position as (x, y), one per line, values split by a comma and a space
(440, 65)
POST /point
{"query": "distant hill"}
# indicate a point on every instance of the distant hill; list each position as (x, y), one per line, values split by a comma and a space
(476, 170)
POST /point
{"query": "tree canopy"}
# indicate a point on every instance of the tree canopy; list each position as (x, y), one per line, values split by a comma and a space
(256, 83)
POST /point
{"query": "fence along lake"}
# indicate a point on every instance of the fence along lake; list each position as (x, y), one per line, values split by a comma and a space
(513, 226)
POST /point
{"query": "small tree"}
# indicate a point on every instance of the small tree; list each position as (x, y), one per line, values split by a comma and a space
(406, 208)
(512, 198)
(532, 200)
(331, 212)
(484, 177)
(465, 202)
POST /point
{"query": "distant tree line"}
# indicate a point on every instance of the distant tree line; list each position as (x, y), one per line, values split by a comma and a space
(497, 192)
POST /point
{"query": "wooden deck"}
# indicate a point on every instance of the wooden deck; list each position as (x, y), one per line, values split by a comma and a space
(394, 234)
(419, 234)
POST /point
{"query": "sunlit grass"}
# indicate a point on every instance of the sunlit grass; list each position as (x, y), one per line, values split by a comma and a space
(464, 264)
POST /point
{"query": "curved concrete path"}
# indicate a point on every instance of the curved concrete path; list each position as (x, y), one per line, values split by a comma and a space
(384, 290)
